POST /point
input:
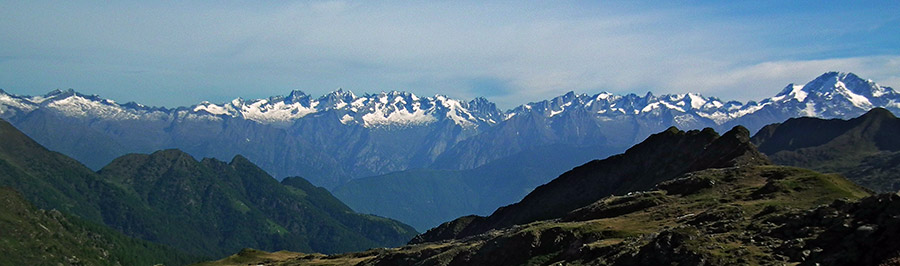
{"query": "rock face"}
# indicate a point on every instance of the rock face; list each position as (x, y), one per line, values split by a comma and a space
(843, 233)
(865, 149)
(661, 157)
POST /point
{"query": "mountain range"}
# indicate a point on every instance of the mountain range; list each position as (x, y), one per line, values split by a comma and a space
(341, 136)
(467, 187)
(678, 197)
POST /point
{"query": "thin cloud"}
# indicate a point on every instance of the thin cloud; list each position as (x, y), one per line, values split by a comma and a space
(181, 53)
(764, 79)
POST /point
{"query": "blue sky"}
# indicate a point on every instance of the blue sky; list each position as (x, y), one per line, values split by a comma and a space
(181, 53)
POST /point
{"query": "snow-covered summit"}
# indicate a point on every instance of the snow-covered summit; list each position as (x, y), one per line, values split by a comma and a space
(832, 94)
(74, 104)
(393, 108)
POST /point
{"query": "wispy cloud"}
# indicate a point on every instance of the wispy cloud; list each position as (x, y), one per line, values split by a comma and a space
(761, 80)
(179, 53)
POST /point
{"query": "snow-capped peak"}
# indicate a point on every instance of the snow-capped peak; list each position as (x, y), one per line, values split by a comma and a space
(832, 94)
(394, 108)
(11, 104)
(828, 92)
(74, 104)
(606, 104)
(837, 81)
(296, 96)
(791, 92)
(336, 100)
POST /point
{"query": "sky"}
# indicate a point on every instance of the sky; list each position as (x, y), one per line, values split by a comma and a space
(176, 53)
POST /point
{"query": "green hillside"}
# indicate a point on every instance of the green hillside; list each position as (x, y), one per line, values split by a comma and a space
(229, 206)
(31, 236)
(207, 208)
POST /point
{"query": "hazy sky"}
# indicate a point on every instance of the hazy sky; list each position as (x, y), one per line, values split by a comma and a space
(180, 53)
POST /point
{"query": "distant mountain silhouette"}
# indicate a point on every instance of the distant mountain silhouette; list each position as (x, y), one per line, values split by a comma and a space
(866, 149)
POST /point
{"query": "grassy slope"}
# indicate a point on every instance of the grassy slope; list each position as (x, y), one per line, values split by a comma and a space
(714, 213)
(51, 180)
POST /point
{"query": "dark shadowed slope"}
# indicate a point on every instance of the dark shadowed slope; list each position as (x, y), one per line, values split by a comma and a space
(661, 157)
(866, 149)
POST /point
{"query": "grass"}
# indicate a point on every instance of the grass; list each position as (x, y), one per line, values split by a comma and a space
(252, 257)
(713, 220)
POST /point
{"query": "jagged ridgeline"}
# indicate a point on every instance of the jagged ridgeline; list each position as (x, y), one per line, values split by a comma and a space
(340, 136)
(207, 208)
(678, 198)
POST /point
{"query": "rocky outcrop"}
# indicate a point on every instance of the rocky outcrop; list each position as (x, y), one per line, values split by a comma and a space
(842, 233)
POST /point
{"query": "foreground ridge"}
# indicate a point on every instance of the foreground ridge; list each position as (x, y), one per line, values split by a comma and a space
(737, 215)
